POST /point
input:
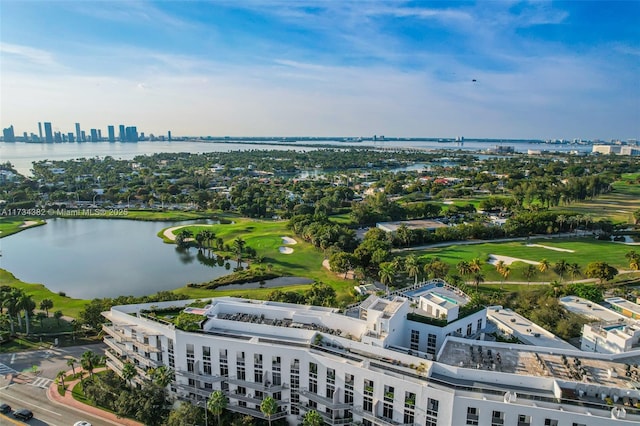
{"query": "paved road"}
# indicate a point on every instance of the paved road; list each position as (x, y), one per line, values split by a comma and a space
(30, 393)
(34, 398)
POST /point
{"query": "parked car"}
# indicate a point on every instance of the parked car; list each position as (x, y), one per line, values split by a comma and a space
(5, 408)
(82, 423)
(23, 414)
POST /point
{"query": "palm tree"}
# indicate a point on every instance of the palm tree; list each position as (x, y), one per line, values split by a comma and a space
(269, 407)
(561, 219)
(506, 271)
(129, 372)
(163, 376)
(634, 260)
(529, 272)
(543, 265)
(27, 304)
(41, 316)
(60, 376)
(475, 264)
(238, 246)
(500, 266)
(477, 279)
(217, 403)
(46, 304)
(89, 361)
(412, 267)
(71, 362)
(464, 268)
(561, 267)
(57, 315)
(575, 271)
(312, 418)
(386, 273)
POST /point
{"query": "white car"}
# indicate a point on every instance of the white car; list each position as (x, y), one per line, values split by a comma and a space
(82, 423)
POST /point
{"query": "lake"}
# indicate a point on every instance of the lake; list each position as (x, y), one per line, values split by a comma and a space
(88, 258)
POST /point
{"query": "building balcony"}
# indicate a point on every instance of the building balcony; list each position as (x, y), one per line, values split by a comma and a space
(327, 402)
(197, 390)
(144, 361)
(251, 399)
(114, 345)
(254, 412)
(376, 418)
(257, 386)
(116, 332)
(200, 376)
(336, 420)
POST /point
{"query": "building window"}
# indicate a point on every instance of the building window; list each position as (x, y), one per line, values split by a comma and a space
(575, 424)
(387, 411)
(524, 420)
(408, 417)
(431, 343)
(432, 412)
(554, 422)
(472, 416)
(497, 418)
(367, 404)
(469, 329)
(479, 325)
(415, 340)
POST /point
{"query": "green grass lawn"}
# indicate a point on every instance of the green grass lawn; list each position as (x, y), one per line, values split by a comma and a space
(266, 238)
(68, 306)
(585, 250)
(11, 224)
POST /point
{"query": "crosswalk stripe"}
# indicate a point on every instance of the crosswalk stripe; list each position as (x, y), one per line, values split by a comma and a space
(41, 382)
(5, 369)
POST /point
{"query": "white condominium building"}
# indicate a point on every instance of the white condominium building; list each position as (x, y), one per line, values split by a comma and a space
(383, 364)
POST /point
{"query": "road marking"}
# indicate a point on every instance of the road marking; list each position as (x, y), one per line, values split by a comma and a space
(21, 401)
(15, 422)
(13, 357)
(5, 369)
(41, 382)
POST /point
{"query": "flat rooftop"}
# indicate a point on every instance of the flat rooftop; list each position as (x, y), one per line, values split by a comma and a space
(589, 309)
(525, 330)
(624, 304)
(411, 224)
(591, 373)
(440, 293)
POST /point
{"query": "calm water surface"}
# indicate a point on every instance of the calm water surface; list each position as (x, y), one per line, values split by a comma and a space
(89, 258)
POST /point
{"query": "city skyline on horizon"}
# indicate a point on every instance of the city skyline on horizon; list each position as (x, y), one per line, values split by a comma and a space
(409, 69)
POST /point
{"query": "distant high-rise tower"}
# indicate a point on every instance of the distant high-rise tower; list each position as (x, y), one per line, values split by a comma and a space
(48, 132)
(78, 134)
(99, 135)
(122, 134)
(131, 134)
(8, 134)
(70, 137)
(40, 130)
(94, 135)
(112, 133)
(169, 135)
(83, 136)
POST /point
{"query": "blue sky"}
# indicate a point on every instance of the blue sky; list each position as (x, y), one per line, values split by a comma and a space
(320, 68)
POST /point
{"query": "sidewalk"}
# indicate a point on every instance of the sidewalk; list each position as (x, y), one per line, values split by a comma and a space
(69, 401)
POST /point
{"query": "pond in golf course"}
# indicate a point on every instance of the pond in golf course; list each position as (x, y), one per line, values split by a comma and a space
(88, 258)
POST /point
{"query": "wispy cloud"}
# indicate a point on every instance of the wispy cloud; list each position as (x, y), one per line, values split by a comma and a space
(26, 53)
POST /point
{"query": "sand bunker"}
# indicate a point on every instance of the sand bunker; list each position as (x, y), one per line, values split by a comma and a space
(28, 223)
(288, 240)
(285, 250)
(551, 248)
(495, 258)
(169, 232)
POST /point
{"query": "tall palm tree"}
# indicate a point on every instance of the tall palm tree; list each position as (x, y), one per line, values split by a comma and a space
(163, 376)
(45, 305)
(500, 266)
(386, 273)
(71, 362)
(217, 403)
(27, 304)
(412, 267)
(269, 407)
(529, 272)
(464, 268)
(89, 361)
(543, 265)
(13, 310)
(238, 246)
(634, 260)
(475, 265)
(561, 267)
(60, 376)
(574, 270)
(477, 279)
(129, 372)
(506, 271)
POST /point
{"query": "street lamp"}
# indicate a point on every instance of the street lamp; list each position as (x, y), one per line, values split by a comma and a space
(206, 417)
